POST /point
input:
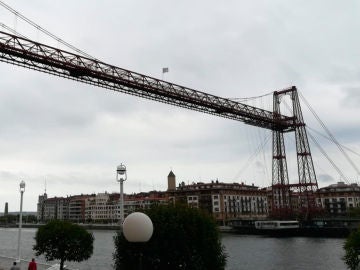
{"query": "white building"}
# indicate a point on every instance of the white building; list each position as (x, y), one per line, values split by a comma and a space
(102, 207)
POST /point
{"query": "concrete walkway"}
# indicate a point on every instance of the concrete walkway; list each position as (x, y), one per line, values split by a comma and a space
(6, 263)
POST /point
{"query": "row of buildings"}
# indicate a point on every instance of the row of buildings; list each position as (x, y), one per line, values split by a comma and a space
(224, 201)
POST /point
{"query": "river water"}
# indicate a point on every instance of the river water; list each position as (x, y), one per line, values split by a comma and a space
(248, 252)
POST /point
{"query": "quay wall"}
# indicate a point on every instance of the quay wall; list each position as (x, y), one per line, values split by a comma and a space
(330, 227)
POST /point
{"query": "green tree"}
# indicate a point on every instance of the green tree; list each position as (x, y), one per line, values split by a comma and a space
(31, 219)
(354, 212)
(352, 250)
(64, 241)
(183, 238)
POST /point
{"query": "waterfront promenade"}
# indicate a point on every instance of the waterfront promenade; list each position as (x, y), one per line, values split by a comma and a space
(6, 263)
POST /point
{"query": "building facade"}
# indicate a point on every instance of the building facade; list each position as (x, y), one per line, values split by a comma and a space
(99, 208)
(224, 201)
(103, 207)
(71, 208)
(338, 199)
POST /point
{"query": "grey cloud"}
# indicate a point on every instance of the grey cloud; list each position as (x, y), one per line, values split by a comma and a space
(352, 97)
(326, 178)
(6, 176)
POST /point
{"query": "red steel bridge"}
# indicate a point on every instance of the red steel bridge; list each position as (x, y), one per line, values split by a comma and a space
(26, 53)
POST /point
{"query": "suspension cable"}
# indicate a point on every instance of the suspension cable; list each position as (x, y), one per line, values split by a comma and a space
(328, 158)
(12, 30)
(251, 98)
(46, 32)
(330, 134)
(326, 137)
(251, 158)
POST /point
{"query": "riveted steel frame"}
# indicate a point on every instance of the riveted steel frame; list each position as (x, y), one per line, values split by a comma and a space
(307, 183)
(281, 197)
(27, 53)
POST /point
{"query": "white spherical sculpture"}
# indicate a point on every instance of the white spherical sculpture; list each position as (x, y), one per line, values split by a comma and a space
(137, 227)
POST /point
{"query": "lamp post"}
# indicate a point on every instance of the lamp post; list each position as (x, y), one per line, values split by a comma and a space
(22, 190)
(121, 176)
(138, 228)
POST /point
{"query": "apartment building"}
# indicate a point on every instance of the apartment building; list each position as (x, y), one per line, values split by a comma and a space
(144, 200)
(99, 208)
(65, 208)
(225, 201)
(103, 207)
(337, 199)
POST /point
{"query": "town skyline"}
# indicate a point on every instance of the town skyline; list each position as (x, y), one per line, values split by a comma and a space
(129, 194)
(53, 195)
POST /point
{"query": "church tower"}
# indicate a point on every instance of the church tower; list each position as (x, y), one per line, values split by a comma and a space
(171, 181)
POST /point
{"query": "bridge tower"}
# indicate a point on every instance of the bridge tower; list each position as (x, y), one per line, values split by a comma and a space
(283, 192)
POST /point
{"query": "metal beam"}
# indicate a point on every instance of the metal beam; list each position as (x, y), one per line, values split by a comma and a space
(33, 55)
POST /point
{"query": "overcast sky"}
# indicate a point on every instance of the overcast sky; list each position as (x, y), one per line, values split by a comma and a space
(72, 136)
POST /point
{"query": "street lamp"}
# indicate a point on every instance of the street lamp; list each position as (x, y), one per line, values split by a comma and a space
(121, 176)
(138, 228)
(22, 190)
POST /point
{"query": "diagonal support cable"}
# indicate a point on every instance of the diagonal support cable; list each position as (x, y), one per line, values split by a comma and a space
(46, 32)
(328, 158)
(333, 139)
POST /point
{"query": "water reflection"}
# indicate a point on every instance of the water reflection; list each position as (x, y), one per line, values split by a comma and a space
(296, 253)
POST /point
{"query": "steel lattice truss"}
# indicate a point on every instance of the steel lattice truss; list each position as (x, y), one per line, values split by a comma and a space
(27, 53)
